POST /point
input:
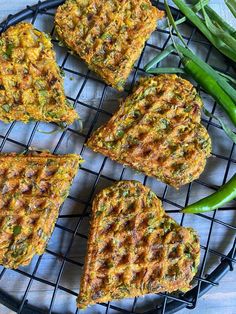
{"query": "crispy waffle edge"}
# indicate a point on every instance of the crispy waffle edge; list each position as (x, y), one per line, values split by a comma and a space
(31, 85)
(86, 298)
(98, 140)
(101, 16)
(22, 243)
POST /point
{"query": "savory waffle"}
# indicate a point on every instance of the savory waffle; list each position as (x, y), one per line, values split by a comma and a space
(107, 35)
(157, 131)
(134, 248)
(31, 86)
(32, 189)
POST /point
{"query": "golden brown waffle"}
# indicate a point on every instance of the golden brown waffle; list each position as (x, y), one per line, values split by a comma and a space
(31, 87)
(157, 131)
(32, 189)
(108, 35)
(134, 248)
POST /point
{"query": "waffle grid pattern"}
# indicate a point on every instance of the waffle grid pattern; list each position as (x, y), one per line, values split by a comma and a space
(158, 135)
(134, 248)
(30, 76)
(34, 187)
(112, 36)
(169, 302)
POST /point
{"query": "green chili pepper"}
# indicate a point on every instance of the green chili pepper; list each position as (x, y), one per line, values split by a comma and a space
(210, 80)
(225, 194)
(210, 86)
(206, 67)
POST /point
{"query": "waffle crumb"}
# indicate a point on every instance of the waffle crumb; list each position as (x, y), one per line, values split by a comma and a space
(32, 189)
(108, 35)
(157, 131)
(31, 86)
(134, 248)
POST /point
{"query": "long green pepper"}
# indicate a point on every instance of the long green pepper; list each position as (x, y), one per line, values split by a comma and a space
(225, 194)
(213, 83)
(208, 69)
(210, 86)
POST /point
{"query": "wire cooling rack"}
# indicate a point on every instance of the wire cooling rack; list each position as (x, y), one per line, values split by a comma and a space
(51, 282)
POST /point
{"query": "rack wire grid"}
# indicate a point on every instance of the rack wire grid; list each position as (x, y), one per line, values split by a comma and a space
(56, 274)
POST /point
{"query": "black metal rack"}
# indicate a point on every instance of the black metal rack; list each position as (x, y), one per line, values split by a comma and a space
(170, 303)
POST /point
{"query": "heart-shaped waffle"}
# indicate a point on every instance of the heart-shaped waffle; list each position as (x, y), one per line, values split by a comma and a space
(32, 189)
(31, 87)
(134, 248)
(157, 131)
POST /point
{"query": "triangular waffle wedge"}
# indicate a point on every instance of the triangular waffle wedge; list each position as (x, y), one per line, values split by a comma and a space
(108, 35)
(157, 131)
(32, 189)
(31, 86)
(134, 248)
